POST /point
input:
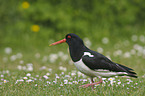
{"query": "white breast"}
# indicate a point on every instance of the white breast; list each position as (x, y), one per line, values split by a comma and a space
(84, 69)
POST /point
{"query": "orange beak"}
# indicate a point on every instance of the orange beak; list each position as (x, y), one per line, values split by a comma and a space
(58, 42)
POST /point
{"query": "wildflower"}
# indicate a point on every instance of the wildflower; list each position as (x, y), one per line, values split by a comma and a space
(25, 5)
(50, 70)
(64, 57)
(46, 77)
(21, 62)
(133, 52)
(57, 77)
(119, 83)
(84, 80)
(126, 55)
(136, 83)
(62, 73)
(142, 38)
(97, 84)
(8, 50)
(129, 80)
(105, 40)
(47, 74)
(67, 76)
(48, 82)
(29, 67)
(69, 82)
(116, 76)
(24, 67)
(61, 84)
(19, 55)
(13, 57)
(100, 50)
(35, 84)
(65, 81)
(54, 82)
(79, 73)
(19, 67)
(21, 80)
(111, 80)
(134, 38)
(37, 55)
(72, 74)
(143, 76)
(25, 78)
(29, 80)
(5, 81)
(62, 68)
(35, 28)
(2, 75)
(75, 82)
(103, 78)
(28, 74)
(53, 57)
(87, 42)
(60, 53)
(42, 68)
(103, 84)
(138, 47)
(117, 53)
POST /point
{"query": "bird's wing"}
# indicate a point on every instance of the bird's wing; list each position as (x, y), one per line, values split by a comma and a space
(99, 61)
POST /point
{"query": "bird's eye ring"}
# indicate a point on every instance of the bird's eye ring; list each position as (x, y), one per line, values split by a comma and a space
(68, 36)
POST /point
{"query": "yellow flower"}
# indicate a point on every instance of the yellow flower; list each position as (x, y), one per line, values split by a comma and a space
(5, 81)
(35, 28)
(25, 5)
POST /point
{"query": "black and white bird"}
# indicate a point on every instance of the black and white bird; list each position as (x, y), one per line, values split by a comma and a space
(91, 63)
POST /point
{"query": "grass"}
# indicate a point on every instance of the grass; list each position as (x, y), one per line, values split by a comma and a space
(35, 74)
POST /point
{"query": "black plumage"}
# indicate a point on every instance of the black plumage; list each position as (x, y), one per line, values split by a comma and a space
(99, 61)
(93, 63)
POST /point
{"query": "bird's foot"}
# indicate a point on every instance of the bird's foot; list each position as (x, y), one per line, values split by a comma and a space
(92, 84)
(86, 85)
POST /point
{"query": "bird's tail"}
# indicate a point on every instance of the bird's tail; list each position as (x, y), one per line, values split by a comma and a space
(129, 71)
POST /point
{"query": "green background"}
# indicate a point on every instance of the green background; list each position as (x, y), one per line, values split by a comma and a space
(87, 18)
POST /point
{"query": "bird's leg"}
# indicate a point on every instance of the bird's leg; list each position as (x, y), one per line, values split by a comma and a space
(92, 84)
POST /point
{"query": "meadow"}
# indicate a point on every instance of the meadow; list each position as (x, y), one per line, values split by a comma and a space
(51, 72)
(30, 67)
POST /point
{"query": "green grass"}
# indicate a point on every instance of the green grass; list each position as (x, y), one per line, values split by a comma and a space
(39, 86)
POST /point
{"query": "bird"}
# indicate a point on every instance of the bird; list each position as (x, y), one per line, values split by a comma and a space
(92, 63)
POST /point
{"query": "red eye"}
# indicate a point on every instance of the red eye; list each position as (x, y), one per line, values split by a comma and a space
(68, 36)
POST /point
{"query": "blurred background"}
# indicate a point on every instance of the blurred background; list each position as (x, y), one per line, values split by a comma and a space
(28, 65)
(29, 25)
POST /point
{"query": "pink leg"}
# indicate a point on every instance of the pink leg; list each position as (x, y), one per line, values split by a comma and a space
(92, 84)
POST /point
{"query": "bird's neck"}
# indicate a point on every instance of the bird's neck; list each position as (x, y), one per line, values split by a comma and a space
(76, 52)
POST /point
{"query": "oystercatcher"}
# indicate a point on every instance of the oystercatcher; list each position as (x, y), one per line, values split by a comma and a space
(91, 63)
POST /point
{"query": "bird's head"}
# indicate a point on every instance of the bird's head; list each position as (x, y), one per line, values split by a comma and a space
(70, 39)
